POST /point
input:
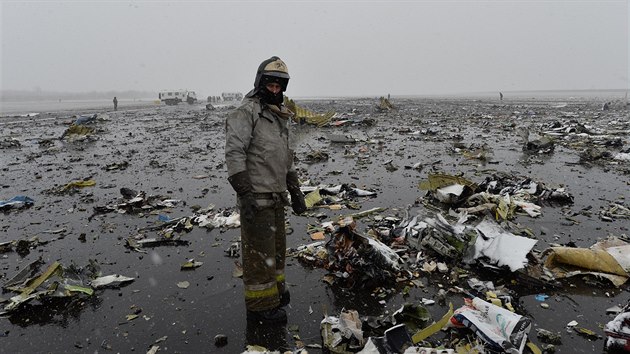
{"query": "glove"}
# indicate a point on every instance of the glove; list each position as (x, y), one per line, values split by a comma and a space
(248, 206)
(241, 183)
(297, 197)
(243, 188)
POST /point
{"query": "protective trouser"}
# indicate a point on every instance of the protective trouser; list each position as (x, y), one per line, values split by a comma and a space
(264, 252)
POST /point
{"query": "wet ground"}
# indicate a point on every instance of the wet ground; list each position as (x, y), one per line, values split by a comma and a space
(178, 152)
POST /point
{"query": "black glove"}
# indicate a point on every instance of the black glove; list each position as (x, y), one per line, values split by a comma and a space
(248, 206)
(241, 183)
(297, 197)
(243, 188)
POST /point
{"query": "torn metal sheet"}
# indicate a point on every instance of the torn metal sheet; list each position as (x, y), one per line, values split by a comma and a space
(312, 198)
(449, 194)
(502, 247)
(302, 114)
(439, 180)
(395, 340)
(608, 259)
(138, 244)
(444, 238)
(113, 280)
(54, 282)
(358, 192)
(25, 274)
(191, 264)
(27, 291)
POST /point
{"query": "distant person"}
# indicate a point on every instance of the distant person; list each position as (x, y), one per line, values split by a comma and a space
(115, 103)
(260, 169)
(501, 96)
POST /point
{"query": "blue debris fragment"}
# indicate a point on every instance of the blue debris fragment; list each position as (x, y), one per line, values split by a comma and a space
(85, 119)
(17, 202)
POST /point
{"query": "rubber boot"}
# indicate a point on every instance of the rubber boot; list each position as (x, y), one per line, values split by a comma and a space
(276, 315)
(285, 298)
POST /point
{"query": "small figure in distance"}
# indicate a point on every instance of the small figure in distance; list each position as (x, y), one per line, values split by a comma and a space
(115, 103)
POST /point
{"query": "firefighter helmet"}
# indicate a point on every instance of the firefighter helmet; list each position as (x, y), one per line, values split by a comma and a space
(274, 70)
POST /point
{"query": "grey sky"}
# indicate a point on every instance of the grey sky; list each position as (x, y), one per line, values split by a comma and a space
(332, 48)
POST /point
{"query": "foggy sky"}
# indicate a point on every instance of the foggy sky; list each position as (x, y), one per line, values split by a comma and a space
(332, 48)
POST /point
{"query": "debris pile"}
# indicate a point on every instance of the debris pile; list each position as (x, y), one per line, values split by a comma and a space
(82, 128)
(395, 253)
(384, 105)
(56, 282)
(521, 206)
(134, 202)
(618, 331)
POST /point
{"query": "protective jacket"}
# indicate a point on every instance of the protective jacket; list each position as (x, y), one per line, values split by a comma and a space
(257, 141)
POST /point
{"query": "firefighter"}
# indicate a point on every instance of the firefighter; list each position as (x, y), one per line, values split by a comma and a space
(260, 169)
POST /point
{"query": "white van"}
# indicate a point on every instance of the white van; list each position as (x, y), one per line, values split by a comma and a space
(173, 97)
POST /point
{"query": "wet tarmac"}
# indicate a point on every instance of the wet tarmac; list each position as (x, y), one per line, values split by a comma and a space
(177, 151)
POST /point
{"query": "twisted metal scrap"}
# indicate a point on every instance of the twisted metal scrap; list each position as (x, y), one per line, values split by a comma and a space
(310, 117)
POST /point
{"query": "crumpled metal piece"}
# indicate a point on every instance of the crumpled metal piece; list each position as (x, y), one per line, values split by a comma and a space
(342, 334)
(609, 258)
(302, 114)
(447, 240)
(360, 260)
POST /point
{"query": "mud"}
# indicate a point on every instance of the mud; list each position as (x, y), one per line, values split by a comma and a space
(178, 152)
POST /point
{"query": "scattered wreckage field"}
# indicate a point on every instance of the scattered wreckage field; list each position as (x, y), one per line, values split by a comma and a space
(119, 233)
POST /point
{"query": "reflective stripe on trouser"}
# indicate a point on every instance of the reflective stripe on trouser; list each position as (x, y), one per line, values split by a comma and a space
(264, 251)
